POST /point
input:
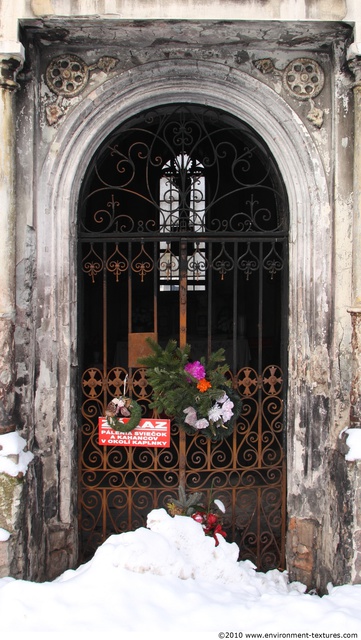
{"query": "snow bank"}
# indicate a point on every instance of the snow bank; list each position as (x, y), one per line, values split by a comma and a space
(178, 547)
(170, 579)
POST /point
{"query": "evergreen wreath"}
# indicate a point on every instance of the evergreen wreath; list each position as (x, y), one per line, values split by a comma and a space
(120, 408)
(196, 394)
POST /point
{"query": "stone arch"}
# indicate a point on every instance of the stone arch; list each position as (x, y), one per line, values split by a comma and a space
(77, 139)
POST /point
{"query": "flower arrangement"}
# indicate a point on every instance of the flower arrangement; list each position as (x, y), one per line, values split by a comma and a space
(193, 506)
(196, 393)
(210, 523)
(123, 407)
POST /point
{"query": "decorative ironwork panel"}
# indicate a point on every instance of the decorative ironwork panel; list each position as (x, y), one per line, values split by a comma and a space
(121, 485)
(183, 234)
(191, 170)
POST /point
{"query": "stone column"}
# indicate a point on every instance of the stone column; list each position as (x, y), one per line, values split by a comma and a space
(354, 63)
(9, 66)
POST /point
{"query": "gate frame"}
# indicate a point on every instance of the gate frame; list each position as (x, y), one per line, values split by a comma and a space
(299, 162)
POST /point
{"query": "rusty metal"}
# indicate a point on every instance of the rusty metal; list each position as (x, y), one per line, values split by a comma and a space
(183, 234)
(119, 486)
(138, 346)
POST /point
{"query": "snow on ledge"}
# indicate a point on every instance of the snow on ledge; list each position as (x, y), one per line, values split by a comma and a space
(353, 441)
(12, 444)
(4, 535)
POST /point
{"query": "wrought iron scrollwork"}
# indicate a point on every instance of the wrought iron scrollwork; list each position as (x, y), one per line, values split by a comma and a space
(121, 485)
(141, 261)
(183, 202)
(182, 155)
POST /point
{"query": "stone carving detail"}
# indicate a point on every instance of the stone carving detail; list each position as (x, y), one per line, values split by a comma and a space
(67, 76)
(265, 65)
(303, 79)
(9, 68)
(354, 64)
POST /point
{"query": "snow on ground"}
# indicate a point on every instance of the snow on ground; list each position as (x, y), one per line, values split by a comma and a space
(169, 579)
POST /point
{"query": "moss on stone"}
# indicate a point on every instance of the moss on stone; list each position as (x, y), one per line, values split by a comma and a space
(10, 489)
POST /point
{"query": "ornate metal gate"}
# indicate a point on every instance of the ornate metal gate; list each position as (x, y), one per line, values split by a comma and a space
(183, 234)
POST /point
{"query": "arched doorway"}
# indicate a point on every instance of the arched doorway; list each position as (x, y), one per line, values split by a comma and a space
(183, 226)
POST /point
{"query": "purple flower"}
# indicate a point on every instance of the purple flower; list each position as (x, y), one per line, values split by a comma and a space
(195, 369)
(202, 424)
(191, 416)
(227, 412)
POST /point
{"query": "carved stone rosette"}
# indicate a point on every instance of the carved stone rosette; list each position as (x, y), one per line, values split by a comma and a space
(67, 76)
(302, 79)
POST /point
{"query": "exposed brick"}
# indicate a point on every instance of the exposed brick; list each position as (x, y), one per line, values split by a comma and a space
(58, 539)
(57, 562)
(303, 534)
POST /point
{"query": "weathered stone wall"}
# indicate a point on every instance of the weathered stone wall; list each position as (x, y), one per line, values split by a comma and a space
(235, 9)
(172, 60)
(318, 388)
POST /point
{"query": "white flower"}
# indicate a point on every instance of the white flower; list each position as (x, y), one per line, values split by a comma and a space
(215, 413)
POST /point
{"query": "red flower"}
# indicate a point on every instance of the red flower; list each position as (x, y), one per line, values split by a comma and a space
(218, 530)
(212, 519)
(198, 516)
(210, 524)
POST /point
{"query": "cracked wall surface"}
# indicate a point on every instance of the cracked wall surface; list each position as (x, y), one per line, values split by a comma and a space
(158, 58)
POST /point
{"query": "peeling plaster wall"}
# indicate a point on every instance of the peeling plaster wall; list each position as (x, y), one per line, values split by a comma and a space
(231, 9)
(47, 541)
(320, 490)
(56, 139)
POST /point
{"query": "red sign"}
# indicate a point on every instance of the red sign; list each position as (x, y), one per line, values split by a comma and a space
(150, 433)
